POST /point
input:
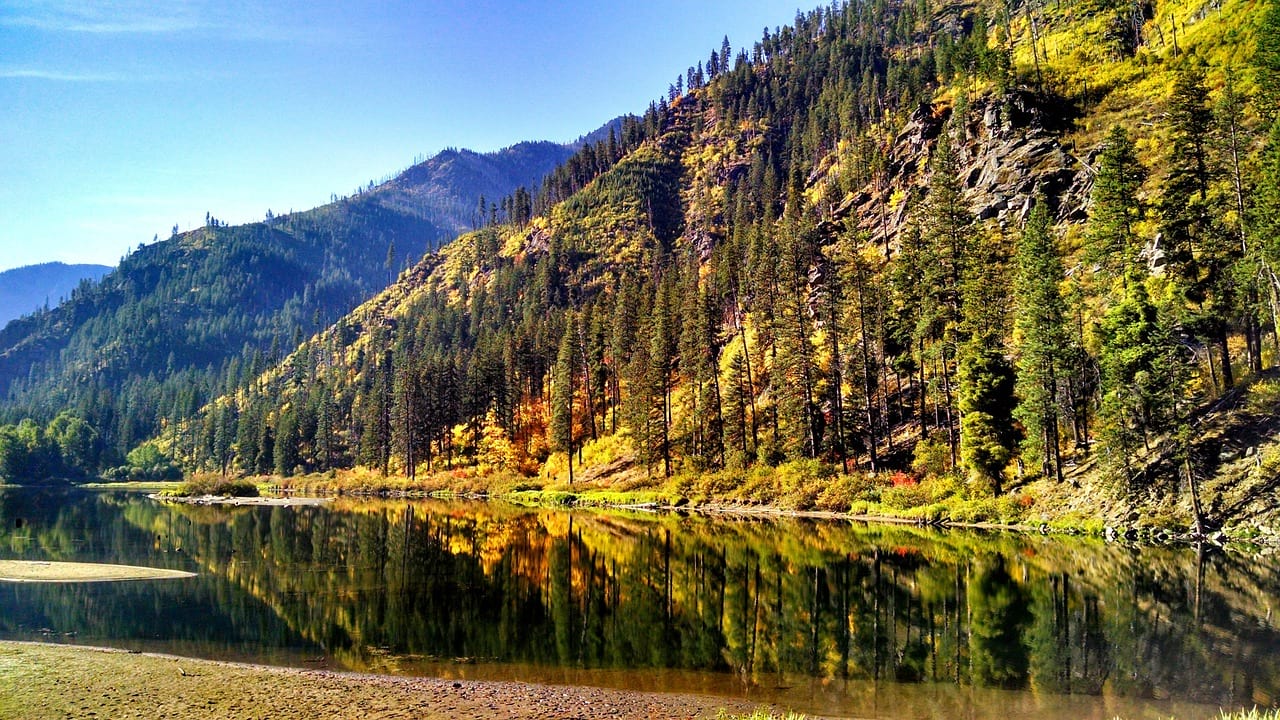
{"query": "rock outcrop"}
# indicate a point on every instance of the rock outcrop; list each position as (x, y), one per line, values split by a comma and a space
(1008, 151)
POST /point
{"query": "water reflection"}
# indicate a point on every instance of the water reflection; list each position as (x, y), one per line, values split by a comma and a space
(846, 617)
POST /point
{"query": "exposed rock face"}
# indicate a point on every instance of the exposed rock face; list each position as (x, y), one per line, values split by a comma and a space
(1008, 154)
(1011, 155)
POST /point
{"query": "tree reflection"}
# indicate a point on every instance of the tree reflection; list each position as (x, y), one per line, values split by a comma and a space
(374, 585)
(999, 613)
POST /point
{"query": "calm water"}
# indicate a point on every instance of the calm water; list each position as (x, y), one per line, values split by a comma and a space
(826, 617)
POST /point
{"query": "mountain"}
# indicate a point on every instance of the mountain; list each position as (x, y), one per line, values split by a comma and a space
(455, 181)
(949, 262)
(186, 318)
(23, 290)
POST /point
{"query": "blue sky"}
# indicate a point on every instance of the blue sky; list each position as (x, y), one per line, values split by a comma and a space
(120, 119)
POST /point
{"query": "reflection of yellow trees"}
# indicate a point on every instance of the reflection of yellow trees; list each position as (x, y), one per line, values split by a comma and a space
(375, 581)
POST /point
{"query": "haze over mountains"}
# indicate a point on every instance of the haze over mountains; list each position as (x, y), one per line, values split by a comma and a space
(23, 290)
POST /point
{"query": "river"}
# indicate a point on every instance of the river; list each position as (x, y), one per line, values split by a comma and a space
(825, 617)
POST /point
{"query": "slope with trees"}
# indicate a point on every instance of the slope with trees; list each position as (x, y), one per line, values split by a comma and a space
(888, 256)
(183, 320)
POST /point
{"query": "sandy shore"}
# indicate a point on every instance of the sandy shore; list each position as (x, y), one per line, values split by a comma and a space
(40, 571)
(40, 680)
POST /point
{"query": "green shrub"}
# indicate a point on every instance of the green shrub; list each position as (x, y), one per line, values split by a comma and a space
(841, 492)
(215, 485)
(905, 497)
(981, 510)
(932, 456)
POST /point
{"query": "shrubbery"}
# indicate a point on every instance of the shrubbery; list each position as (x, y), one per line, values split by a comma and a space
(145, 462)
(216, 485)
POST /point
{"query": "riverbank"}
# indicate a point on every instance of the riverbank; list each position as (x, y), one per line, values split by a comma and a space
(793, 490)
(40, 681)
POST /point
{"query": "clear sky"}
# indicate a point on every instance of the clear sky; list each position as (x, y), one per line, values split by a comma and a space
(122, 118)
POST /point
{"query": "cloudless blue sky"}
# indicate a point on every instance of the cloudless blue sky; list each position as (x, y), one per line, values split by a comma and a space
(121, 118)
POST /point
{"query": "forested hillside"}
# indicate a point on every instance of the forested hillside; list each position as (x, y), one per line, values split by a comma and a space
(960, 246)
(909, 257)
(186, 319)
(23, 290)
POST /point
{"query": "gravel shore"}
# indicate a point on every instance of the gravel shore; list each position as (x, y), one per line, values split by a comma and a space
(40, 680)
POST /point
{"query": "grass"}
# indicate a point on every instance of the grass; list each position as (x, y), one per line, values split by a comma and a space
(801, 486)
(762, 714)
(1252, 714)
(144, 485)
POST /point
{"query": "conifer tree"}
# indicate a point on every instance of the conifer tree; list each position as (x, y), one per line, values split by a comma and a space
(947, 226)
(1249, 272)
(1142, 377)
(1198, 253)
(1111, 241)
(985, 384)
(1264, 224)
(1041, 339)
(984, 376)
(562, 391)
(286, 443)
(407, 412)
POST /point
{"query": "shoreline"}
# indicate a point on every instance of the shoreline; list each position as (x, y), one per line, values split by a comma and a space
(48, 680)
(1144, 535)
(285, 495)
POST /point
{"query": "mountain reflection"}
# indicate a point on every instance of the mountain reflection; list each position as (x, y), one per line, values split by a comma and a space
(397, 586)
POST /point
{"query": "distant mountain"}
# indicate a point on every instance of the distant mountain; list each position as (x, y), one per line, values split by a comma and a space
(23, 290)
(196, 314)
(453, 182)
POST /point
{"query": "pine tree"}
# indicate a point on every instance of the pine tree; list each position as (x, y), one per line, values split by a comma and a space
(1197, 252)
(286, 444)
(1142, 378)
(562, 392)
(1111, 241)
(1041, 340)
(984, 376)
(1249, 271)
(407, 411)
(1264, 224)
(947, 226)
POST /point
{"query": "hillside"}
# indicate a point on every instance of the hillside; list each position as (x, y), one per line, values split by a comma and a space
(26, 289)
(184, 319)
(961, 261)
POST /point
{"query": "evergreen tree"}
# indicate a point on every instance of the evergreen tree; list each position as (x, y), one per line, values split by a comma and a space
(286, 444)
(1264, 224)
(947, 227)
(562, 392)
(1041, 341)
(985, 384)
(1142, 378)
(1198, 253)
(1111, 241)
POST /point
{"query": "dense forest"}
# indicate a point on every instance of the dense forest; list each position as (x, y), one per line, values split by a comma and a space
(184, 320)
(973, 244)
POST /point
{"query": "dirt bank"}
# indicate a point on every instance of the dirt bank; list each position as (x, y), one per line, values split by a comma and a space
(57, 681)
